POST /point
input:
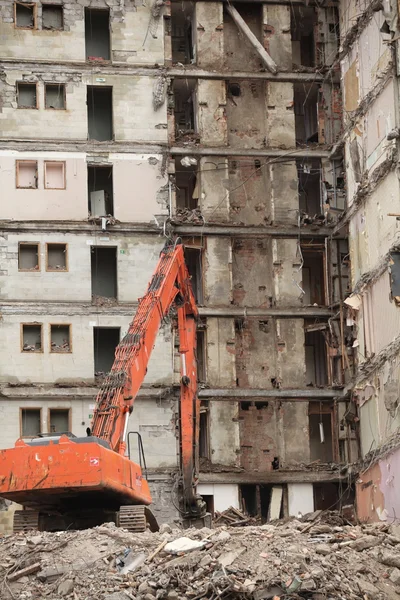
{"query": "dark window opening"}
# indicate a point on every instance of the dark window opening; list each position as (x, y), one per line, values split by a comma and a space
(31, 338)
(204, 434)
(104, 272)
(309, 177)
(105, 341)
(59, 420)
(321, 441)
(332, 496)
(182, 33)
(54, 96)
(56, 257)
(60, 338)
(234, 89)
(99, 106)
(209, 500)
(245, 405)
(256, 501)
(304, 20)
(27, 174)
(316, 363)
(184, 90)
(201, 356)
(100, 191)
(193, 258)
(306, 112)
(395, 276)
(313, 280)
(25, 15)
(97, 34)
(26, 95)
(186, 186)
(28, 257)
(259, 404)
(30, 422)
(52, 16)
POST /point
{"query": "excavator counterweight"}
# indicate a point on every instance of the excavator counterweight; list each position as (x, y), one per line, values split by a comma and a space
(78, 482)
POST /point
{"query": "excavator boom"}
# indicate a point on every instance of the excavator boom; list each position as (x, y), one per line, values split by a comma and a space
(64, 475)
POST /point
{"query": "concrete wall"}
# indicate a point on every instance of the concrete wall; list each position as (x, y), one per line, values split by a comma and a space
(225, 494)
(133, 115)
(137, 256)
(128, 26)
(138, 187)
(78, 364)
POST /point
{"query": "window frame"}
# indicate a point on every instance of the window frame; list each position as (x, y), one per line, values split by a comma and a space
(52, 84)
(25, 4)
(35, 83)
(17, 165)
(22, 338)
(62, 14)
(53, 162)
(58, 409)
(49, 269)
(69, 325)
(38, 253)
(22, 408)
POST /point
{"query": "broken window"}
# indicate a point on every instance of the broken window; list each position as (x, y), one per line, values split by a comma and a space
(256, 502)
(182, 32)
(313, 278)
(26, 95)
(104, 272)
(54, 96)
(184, 93)
(52, 16)
(30, 422)
(28, 256)
(59, 420)
(306, 112)
(193, 258)
(54, 175)
(25, 15)
(60, 338)
(105, 341)
(99, 106)
(320, 432)
(56, 257)
(204, 432)
(100, 191)
(97, 34)
(26, 174)
(304, 20)
(316, 360)
(186, 186)
(31, 337)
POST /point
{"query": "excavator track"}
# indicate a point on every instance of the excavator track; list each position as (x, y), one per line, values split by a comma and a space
(25, 520)
(137, 519)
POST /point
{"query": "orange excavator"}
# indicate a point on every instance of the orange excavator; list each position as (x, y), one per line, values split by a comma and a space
(77, 482)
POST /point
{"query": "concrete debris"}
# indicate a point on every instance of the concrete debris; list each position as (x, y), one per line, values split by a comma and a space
(64, 347)
(104, 301)
(309, 559)
(186, 215)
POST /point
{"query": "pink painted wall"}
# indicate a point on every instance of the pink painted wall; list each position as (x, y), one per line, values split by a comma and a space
(378, 490)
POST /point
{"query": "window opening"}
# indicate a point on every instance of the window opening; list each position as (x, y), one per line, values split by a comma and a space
(30, 422)
(100, 191)
(104, 272)
(97, 34)
(60, 338)
(31, 337)
(52, 16)
(105, 341)
(28, 256)
(99, 107)
(26, 95)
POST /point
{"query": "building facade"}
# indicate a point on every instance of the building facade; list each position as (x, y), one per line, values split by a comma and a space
(370, 70)
(124, 124)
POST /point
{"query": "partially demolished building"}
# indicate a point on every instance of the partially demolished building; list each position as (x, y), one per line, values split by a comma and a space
(123, 123)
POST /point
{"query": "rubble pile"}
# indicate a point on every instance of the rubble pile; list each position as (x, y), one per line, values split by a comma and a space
(318, 560)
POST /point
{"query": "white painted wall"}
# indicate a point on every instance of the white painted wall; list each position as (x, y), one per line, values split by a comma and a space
(225, 494)
(301, 498)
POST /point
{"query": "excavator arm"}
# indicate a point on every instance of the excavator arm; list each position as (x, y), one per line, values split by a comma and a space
(169, 286)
